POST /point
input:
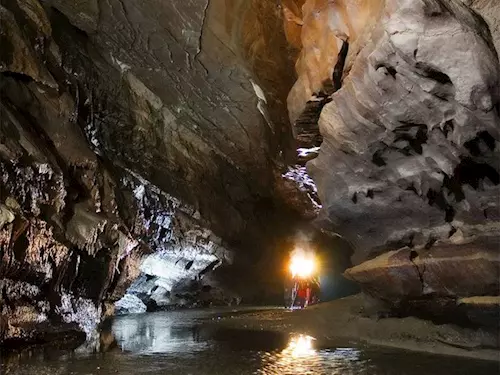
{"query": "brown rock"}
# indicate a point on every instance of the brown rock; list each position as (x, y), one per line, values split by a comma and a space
(481, 310)
(18, 55)
(445, 271)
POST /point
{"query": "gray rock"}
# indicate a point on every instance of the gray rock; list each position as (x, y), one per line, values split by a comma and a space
(411, 138)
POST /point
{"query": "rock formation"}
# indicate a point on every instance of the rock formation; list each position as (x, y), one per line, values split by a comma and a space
(410, 142)
(135, 145)
(152, 144)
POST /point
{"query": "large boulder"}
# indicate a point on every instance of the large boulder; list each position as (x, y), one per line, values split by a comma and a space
(446, 270)
(450, 282)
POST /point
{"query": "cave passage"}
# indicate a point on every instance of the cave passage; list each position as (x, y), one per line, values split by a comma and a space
(249, 186)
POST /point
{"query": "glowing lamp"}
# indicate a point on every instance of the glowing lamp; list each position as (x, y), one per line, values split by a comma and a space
(302, 265)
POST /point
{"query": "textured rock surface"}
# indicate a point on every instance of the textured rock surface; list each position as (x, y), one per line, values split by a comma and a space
(435, 281)
(106, 107)
(411, 137)
(410, 141)
(490, 11)
(200, 98)
(185, 251)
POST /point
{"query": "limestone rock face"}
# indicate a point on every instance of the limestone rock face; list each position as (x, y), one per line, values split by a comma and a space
(410, 141)
(130, 134)
(199, 95)
(411, 137)
(490, 11)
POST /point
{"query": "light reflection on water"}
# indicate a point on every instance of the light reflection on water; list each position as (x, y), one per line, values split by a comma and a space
(301, 357)
(179, 343)
(268, 353)
(150, 334)
(300, 346)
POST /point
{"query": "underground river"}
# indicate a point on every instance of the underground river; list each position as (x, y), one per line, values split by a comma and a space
(193, 342)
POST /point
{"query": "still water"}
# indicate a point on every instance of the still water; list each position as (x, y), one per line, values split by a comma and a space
(181, 343)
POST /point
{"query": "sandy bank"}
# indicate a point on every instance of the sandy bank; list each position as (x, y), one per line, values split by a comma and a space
(344, 321)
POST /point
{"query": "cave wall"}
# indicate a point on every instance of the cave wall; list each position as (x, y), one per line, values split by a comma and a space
(137, 144)
(410, 142)
(203, 111)
(490, 11)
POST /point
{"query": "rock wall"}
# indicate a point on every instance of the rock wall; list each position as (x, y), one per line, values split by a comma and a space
(410, 146)
(490, 11)
(136, 143)
(199, 99)
(185, 252)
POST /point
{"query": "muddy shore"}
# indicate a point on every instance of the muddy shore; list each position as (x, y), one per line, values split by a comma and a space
(345, 321)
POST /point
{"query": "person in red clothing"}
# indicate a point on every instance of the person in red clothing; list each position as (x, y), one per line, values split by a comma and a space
(305, 292)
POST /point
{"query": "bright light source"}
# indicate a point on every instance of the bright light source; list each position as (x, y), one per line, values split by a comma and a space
(302, 264)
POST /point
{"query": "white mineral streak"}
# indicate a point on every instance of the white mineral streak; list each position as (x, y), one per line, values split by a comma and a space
(121, 65)
(304, 152)
(299, 174)
(81, 311)
(130, 304)
(183, 248)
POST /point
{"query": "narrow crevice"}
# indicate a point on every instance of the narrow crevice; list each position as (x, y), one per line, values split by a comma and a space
(434, 74)
(414, 255)
(448, 128)
(355, 198)
(200, 38)
(307, 128)
(377, 158)
(338, 71)
(437, 198)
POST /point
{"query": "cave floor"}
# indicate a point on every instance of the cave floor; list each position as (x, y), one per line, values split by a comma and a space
(250, 341)
(343, 322)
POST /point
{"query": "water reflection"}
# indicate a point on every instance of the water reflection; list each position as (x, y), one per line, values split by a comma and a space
(272, 353)
(302, 357)
(181, 343)
(300, 346)
(157, 334)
